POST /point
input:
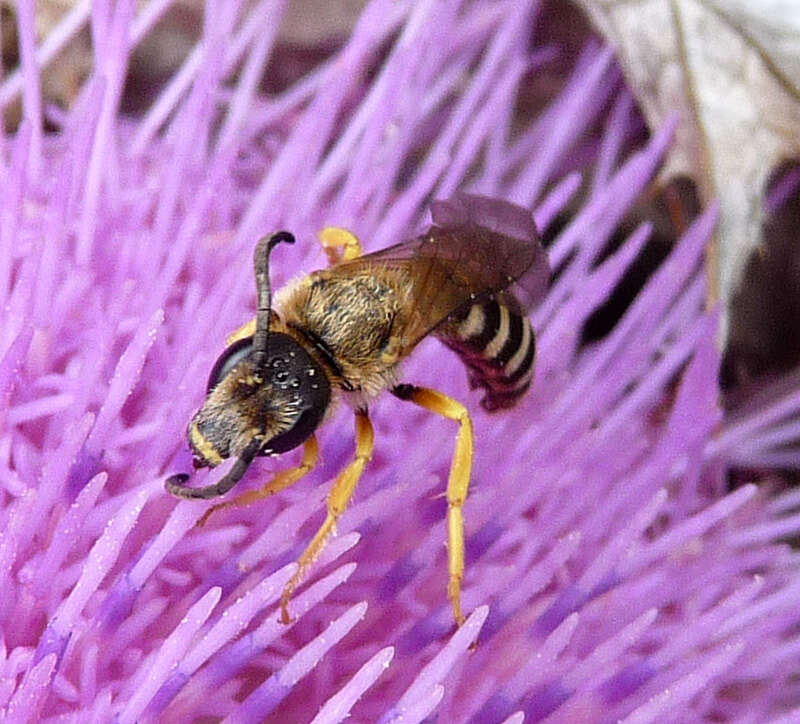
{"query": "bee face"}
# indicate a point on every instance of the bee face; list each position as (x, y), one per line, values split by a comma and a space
(279, 403)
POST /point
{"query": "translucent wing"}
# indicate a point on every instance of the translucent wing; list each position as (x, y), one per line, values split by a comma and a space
(475, 248)
(521, 243)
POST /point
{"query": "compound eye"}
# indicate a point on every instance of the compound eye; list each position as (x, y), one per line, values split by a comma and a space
(228, 360)
(299, 432)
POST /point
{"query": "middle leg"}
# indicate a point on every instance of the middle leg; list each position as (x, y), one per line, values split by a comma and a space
(338, 499)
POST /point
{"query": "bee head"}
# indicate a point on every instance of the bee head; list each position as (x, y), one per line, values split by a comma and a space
(279, 402)
(266, 395)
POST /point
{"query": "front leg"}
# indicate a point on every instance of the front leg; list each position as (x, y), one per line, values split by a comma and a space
(457, 483)
(248, 329)
(338, 499)
(332, 237)
(280, 481)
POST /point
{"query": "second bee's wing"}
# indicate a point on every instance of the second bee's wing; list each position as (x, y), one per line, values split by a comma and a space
(475, 248)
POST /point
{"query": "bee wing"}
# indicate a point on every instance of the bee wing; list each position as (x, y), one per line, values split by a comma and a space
(521, 249)
(476, 247)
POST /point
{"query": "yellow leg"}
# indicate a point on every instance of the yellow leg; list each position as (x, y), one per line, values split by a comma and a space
(282, 480)
(246, 330)
(457, 483)
(332, 237)
(338, 499)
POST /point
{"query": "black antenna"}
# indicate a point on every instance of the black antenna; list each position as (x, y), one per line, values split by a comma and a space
(261, 264)
(175, 484)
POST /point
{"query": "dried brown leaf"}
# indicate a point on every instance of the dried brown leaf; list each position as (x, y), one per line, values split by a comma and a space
(731, 70)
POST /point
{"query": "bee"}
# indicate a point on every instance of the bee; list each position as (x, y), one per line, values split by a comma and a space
(342, 332)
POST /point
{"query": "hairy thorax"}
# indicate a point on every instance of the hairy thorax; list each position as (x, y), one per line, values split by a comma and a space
(354, 318)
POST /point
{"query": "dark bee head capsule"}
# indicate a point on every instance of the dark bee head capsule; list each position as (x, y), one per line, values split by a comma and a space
(232, 355)
(266, 395)
(280, 403)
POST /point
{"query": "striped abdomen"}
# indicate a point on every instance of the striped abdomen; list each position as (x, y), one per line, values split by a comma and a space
(497, 346)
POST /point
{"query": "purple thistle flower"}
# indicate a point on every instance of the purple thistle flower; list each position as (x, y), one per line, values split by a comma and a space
(611, 576)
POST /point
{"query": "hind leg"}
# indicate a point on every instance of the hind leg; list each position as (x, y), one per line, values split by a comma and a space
(457, 482)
